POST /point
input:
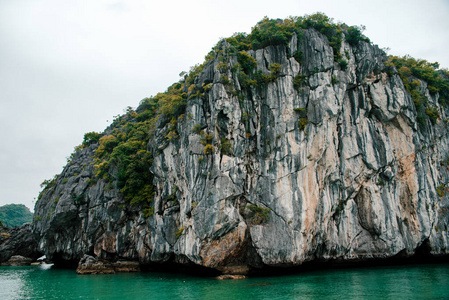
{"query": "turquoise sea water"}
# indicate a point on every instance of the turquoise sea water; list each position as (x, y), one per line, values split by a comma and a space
(393, 282)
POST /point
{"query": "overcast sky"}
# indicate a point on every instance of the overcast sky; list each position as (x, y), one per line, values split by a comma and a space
(68, 67)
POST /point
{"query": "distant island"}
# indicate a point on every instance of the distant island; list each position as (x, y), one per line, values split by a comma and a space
(12, 215)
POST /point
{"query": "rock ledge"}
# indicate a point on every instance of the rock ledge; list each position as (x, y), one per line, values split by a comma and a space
(92, 265)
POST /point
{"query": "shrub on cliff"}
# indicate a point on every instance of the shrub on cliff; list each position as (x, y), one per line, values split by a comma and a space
(123, 158)
(271, 32)
(437, 80)
(411, 69)
(354, 35)
(246, 61)
(259, 214)
(90, 138)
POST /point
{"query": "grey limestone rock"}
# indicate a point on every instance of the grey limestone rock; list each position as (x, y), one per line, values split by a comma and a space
(18, 261)
(18, 241)
(91, 265)
(336, 169)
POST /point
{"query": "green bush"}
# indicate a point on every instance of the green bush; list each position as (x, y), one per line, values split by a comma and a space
(334, 80)
(303, 120)
(325, 25)
(278, 32)
(441, 190)
(319, 21)
(409, 68)
(225, 146)
(225, 80)
(275, 68)
(179, 232)
(122, 157)
(172, 130)
(197, 128)
(298, 56)
(298, 81)
(222, 67)
(343, 64)
(240, 41)
(259, 215)
(433, 114)
(107, 144)
(245, 80)
(270, 32)
(208, 149)
(172, 135)
(192, 75)
(354, 35)
(263, 79)
(49, 183)
(172, 103)
(301, 111)
(247, 62)
(206, 138)
(79, 200)
(302, 123)
(91, 138)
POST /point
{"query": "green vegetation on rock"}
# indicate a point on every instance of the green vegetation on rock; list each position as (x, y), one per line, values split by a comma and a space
(259, 214)
(124, 158)
(12, 215)
(272, 32)
(303, 120)
(354, 35)
(411, 70)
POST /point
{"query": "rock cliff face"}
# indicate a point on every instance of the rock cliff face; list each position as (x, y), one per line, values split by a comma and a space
(18, 241)
(328, 164)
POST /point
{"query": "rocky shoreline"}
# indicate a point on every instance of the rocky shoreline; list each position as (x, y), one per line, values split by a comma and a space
(95, 266)
(18, 246)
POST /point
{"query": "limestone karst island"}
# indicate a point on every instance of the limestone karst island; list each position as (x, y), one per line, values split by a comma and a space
(298, 143)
